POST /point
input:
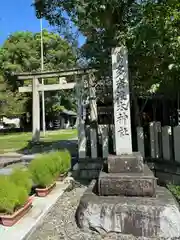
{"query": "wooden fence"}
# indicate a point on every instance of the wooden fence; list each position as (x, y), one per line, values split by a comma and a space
(153, 141)
(159, 142)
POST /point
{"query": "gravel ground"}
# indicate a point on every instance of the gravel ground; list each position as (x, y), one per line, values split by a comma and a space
(60, 222)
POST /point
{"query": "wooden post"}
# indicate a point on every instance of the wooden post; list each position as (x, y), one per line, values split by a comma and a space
(140, 140)
(103, 130)
(166, 146)
(113, 137)
(93, 138)
(105, 141)
(155, 139)
(176, 143)
(158, 139)
(152, 139)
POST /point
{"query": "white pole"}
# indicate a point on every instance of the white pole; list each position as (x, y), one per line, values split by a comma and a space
(42, 68)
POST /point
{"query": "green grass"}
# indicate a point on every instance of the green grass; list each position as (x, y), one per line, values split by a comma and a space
(17, 141)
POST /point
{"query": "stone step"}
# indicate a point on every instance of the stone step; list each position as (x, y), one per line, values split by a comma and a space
(89, 168)
(156, 218)
(88, 174)
(91, 164)
(90, 159)
(127, 184)
(125, 163)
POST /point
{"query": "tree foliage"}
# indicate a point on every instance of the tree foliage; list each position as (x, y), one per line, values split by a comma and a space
(21, 52)
(154, 46)
(150, 29)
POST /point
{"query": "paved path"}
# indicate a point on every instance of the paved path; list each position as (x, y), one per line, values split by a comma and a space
(11, 158)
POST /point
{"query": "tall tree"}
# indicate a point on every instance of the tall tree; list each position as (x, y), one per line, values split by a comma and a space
(21, 52)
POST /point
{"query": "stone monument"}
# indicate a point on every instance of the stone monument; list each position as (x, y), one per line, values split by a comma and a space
(126, 199)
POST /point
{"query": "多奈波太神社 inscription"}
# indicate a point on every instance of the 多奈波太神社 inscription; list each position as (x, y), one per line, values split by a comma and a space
(121, 96)
(121, 101)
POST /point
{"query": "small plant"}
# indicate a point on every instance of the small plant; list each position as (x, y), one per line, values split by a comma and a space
(47, 167)
(12, 196)
(59, 162)
(22, 178)
(53, 161)
(175, 190)
(65, 161)
(41, 171)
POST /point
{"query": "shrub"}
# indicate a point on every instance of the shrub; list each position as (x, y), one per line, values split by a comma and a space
(65, 161)
(11, 196)
(22, 195)
(58, 162)
(46, 167)
(175, 190)
(53, 163)
(22, 178)
(41, 171)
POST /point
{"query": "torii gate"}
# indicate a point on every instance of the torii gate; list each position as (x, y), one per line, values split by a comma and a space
(37, 87)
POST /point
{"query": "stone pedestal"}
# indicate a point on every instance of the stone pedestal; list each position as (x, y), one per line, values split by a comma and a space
(127, 184)
(125, 199)
(154, 218)
(126, 163)
(126, 176)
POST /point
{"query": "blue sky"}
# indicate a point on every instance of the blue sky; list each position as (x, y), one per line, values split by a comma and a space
(19, 15)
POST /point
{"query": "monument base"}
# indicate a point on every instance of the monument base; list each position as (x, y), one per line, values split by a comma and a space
(138, 216)
(127, 184)
(125, 163)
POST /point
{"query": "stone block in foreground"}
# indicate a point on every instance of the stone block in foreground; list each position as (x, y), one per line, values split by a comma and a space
(125, 163)
(127, 184)
(138, 216)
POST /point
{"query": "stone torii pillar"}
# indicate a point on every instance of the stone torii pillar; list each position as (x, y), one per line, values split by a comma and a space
(93, 116)
(81, 122)
(35, 111)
